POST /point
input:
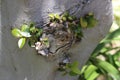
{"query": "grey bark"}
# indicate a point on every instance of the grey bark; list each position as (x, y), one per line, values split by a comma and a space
(24, 64)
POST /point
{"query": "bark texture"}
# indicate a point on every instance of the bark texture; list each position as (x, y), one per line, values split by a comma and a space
(24, 64)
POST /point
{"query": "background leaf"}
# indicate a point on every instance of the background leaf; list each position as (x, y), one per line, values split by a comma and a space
(109, 68)
(93, 76)
(90, 69)
(115, 35)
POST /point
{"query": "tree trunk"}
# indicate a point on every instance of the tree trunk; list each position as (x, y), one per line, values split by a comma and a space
(24, 64)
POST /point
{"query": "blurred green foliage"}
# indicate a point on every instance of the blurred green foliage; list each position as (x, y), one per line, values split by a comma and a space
(105, 59)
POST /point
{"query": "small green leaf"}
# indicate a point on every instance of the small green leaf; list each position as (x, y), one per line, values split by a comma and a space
(57, 16)
(66, 14)
(38, 34)
(33, 29)
(16, 33)
(46, 42)
(25, 34)
(83, 22)
(74, 68)
(21, 42)
(25, 28)
(32, 24)
(78, 32)
(52, 16)
(91, 21)
(64, 18)
(75, 64)
(71, 73)
(70, 18)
